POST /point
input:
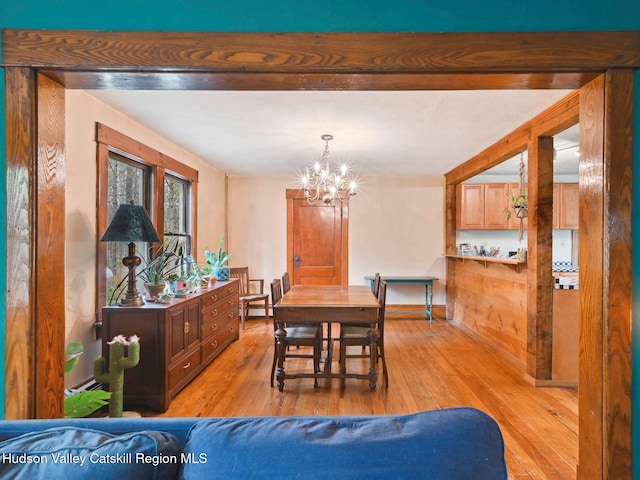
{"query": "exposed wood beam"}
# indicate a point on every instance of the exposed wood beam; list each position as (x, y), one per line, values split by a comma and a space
(501, 52)
(540, 245)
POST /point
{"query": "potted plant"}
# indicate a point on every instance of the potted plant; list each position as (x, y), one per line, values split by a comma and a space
(519, 205)
(162, 263)
(217, 261)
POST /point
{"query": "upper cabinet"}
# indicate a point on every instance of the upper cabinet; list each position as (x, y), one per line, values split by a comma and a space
(481, 206)
(470, 206)
(565, 206)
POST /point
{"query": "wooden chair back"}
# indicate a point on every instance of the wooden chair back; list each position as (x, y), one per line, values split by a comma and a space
(242, 274)
(376, 284)
(286, 282)
(382, 300)
(276, 291)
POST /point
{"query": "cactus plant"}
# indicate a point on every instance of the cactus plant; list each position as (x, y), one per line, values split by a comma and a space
(114, 376)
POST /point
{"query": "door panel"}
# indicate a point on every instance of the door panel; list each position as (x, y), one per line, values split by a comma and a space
(317, 242)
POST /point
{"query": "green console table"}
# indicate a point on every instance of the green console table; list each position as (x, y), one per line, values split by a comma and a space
(400, 280)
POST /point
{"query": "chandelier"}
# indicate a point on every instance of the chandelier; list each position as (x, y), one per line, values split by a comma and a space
(320, 183)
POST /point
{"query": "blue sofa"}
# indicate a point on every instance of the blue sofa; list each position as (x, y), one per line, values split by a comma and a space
(458, 443)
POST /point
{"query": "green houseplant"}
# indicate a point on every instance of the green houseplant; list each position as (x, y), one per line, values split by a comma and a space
(160, 263)
(518, 204)
(217, 261)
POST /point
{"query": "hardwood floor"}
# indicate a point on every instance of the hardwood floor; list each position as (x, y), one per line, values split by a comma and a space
(430, 366)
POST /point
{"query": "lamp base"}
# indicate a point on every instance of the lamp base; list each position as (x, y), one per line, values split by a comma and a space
(126, 301)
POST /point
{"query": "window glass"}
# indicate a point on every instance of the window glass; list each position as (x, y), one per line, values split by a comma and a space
(176, 213)
(126, 181)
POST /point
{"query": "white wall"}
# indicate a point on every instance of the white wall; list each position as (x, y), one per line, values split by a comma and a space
(396, 227)
(82, 112)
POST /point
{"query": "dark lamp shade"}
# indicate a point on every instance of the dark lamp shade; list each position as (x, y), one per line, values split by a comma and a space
(131, 223)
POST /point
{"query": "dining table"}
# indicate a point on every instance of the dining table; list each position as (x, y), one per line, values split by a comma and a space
(320, 305)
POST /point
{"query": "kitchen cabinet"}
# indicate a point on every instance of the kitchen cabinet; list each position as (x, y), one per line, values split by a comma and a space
(495, 202)
(470, 206)
(481, 206)
(566, 206)
(177, 341)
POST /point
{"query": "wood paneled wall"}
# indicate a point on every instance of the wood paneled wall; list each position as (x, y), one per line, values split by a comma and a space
(491, 300)
(35, 246)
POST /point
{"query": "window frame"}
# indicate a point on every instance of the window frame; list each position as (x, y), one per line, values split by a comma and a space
(159, 165)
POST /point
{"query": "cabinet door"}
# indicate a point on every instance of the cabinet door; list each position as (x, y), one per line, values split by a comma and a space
(495, 201)
(569, 206)
(192, 327)
(471, 210)
(177, 320)
(556, 205)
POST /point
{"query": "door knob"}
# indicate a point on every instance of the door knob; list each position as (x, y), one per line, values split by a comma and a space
(296, 261)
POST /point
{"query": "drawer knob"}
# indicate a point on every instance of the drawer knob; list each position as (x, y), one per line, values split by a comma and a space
(187, 365)
(214, 312)
(230, 289)
(231, 314)
(214, 327)
(214, 344)
(214, 298)
(230, 329)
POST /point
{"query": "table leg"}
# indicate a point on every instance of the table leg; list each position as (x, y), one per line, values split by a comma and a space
(280, 334)
(428, 290)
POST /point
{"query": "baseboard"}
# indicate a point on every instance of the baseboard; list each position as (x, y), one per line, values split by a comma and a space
(549, 383)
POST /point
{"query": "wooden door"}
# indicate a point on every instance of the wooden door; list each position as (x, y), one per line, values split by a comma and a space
(317, 242)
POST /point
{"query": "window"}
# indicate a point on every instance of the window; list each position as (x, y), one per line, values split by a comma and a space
(127, 181)
(176, 212)
(129, 170)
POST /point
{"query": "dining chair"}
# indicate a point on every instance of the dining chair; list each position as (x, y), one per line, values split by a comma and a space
(352, 335)
(249, 299)
(286, 282)
(376, 284)
(297, 336)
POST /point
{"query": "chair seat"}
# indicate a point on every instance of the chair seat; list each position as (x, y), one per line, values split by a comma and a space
(294, 333)
(254, 297)
(352, 332)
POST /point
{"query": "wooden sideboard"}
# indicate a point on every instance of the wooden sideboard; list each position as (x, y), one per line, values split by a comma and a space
(177, 341)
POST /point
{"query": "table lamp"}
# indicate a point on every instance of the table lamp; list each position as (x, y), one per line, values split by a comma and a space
(131, 223)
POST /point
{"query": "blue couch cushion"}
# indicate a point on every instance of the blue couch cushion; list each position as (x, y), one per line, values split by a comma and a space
(80, 453)
(456, 444)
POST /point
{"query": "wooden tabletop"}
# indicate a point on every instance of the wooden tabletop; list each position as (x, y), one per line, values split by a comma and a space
(329, 296)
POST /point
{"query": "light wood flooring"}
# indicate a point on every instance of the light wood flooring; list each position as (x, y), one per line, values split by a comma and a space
(431, 366)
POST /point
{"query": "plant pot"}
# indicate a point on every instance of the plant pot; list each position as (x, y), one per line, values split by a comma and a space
(179, 286)
(521, 212)
(221, 273)
(155, 289)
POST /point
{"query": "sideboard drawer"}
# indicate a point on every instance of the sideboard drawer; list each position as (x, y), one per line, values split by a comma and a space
(184, 368)
(219, 297)
(214, 344)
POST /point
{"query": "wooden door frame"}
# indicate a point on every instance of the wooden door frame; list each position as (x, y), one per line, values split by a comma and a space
(343, 61)
(297, 194)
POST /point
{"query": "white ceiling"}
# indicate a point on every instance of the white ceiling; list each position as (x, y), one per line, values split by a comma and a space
(378, 133)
